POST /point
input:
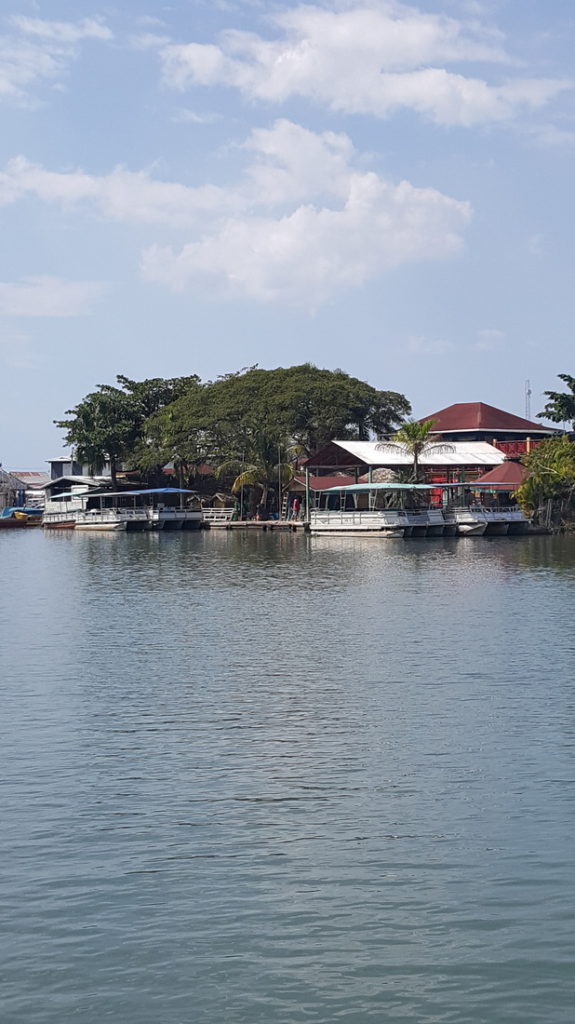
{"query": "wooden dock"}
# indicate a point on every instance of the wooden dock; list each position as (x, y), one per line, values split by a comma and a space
(264, 525)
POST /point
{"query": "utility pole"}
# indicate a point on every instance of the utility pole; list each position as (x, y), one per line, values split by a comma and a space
(528, 399)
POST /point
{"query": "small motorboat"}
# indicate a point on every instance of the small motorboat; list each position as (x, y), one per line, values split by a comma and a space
(13, 518)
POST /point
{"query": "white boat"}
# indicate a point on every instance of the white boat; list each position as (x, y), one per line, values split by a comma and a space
(516, 520)
(469, 521)
(364, 508)
(497, 522)
(61, 510)
(112, 519)
(148, 509)
(389, 522)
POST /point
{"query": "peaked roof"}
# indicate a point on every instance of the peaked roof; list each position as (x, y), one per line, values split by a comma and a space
(508, 475)
(479, 416)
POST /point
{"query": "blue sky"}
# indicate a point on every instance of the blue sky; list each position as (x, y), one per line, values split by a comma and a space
(200, 186)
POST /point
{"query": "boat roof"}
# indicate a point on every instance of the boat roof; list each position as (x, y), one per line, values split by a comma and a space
(358, 488)
(72, 494)
(148, 490)
(469, 485)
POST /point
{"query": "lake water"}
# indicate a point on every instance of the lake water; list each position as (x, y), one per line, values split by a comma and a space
(270, 779)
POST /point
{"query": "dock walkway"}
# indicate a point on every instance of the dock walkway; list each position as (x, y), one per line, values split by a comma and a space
(265, 525)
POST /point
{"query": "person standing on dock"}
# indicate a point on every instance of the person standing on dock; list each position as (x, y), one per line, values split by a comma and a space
(295, 508)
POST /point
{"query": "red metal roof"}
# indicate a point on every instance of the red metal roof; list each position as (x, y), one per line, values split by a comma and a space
(321, 483)
(479, 416)
(508, 474)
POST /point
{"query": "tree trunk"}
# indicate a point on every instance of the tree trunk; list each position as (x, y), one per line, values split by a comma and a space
(415, 468)
(113, 472)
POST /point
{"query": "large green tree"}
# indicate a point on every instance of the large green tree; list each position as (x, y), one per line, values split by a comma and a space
(298, 405)
(561, 405)
(107, 424)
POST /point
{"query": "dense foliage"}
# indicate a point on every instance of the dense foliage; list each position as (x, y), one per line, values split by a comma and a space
(299, 405)
(551, 467)
(561, 405)
(107, 424)
(252, 422)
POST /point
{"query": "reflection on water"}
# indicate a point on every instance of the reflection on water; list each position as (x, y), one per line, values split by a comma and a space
(271, 778)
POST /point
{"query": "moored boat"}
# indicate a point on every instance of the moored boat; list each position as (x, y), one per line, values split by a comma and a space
(148, 509)
(15, 518)
(469, 522)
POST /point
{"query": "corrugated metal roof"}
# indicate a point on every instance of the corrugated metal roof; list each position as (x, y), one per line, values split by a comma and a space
(88, 481)
(463, 453)
(9, 480)
(32, 478)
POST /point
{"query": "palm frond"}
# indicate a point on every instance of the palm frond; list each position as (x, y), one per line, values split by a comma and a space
(249, 478)
(439, 448)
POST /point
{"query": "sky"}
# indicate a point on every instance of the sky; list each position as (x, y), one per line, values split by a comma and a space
(206, 185)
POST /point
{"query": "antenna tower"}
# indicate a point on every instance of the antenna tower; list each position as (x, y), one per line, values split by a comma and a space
(528, 399)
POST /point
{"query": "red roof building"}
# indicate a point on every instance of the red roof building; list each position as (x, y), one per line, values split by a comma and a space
(477, 421)
(506, 477)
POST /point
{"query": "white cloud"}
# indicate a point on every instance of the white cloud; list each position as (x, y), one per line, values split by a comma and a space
(121, 195)
(185, 116)
(37, 52)
(304, 220)
(422, 346)
(62, 31)
(358, 227)
(149, 41)
(47, 296)
(489, 339)
(373, 57)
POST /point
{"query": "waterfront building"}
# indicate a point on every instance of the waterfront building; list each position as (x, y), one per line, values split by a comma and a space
(12, 490)
(465, 460)
(477, 421)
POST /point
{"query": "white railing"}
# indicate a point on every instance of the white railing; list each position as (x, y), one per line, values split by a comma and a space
(217, 515)
(158, 515)
(53, 518)
(385, 519)
(112, 515)
(464, 514)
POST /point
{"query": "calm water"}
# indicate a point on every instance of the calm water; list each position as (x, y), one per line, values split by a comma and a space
(268, 779)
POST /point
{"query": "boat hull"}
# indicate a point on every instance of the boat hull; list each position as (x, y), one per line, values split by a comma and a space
(518, 528)
(499, 529)
(471, 529)
(17, 524)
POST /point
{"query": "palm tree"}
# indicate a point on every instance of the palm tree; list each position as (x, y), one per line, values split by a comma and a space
(415, 438)
(266, 470)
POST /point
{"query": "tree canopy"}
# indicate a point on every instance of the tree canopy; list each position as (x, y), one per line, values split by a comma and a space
(107, 424)
(255, 418)
(551, 467)
(561, 405)
(299, 406)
